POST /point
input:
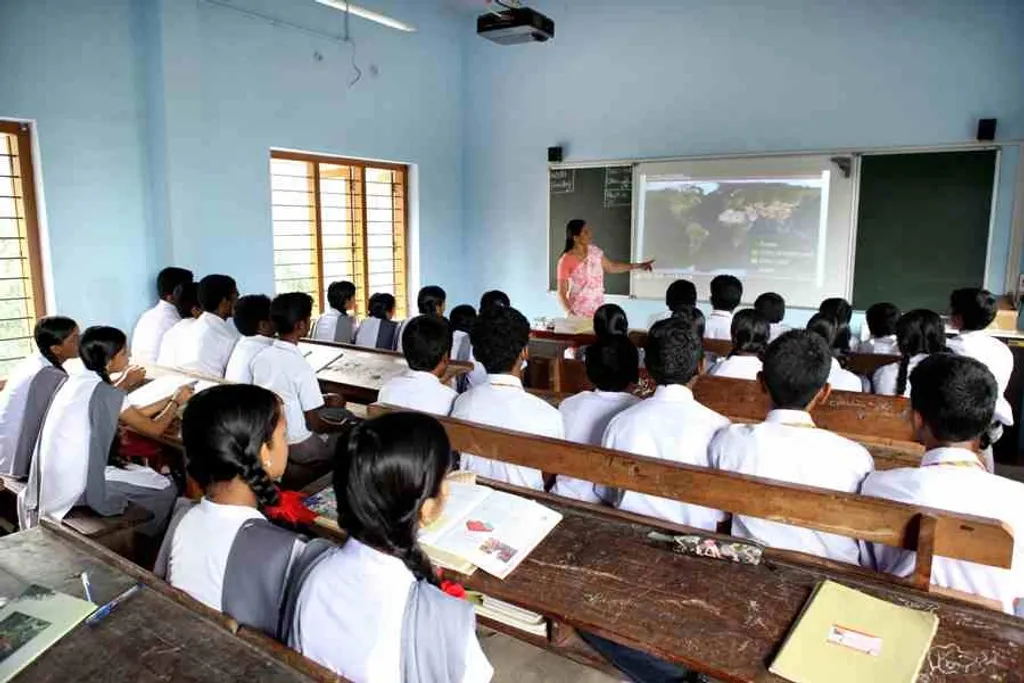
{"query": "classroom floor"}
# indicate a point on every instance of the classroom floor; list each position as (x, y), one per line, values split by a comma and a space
(517, 662)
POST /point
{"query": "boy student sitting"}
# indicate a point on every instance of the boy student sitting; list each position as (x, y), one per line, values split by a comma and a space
(726, 293)
(186, 300)
(788, 447)
(155, 322)
(773, 307)
(680, 295)
(336, 324)
(426, 343)
(952, 399)
(207, 344)
(252, 319)
(670, 425)
(882, 320)
(499, 338)
(283, 369)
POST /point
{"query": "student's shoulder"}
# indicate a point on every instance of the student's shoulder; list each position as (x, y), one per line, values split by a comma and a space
(709, 416)
(843, 447)
(732, 436)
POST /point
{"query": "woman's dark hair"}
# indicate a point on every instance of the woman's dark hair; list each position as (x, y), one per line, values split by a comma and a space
(610, 321)
(493, 300)
(430, 300)
(750, 332)
(339, 294)
(223, 429)
(390, 467)
(918, 331)
(462, 318)
(98, 346)
(52, 331)
(841, 311)
(381, 304)
(572, 230)
(186, 298)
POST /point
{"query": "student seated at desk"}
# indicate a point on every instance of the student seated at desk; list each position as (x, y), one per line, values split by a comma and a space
(679, 296)
(882, 319)
(155, 322)
(726, 294)
(430, 301)
(919, 333)
(773, 307)
(336, 325)
(490, 301)
(75, 463)
(462, 318)
(612, 366)
(29, 390)
(670, 425)
(953, 399)
(827, 327)
(427, 344)
(252, 320)
(372, 611)
(841, 312)
(186, 299)
(283, 369)
(499, 340)
(206, 344)
(378, 331)
(749, 339)
(788, 447)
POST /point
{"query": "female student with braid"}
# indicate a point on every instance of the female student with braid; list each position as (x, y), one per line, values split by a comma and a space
(750, 332)
(372, 610)
(379, 331)
(919, 333)
(431, 300)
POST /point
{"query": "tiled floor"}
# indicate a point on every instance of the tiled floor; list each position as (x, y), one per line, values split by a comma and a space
(517, 662)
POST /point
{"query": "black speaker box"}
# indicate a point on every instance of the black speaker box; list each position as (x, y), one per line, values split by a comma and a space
(554, 155)
(986, 129)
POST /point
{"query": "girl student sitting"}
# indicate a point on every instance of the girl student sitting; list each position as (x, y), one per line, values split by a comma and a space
(919, 333)
(372, 609)
(750, 332)
(336, 324)
(431, 300)
(379, 331)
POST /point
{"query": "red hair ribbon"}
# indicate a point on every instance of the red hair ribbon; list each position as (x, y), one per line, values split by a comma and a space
(290, 508)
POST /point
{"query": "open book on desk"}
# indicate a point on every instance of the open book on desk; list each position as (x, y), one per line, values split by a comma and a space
(319, 356)
(34, 622)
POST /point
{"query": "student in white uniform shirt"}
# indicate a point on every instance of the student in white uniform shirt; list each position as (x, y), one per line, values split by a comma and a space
(919, 333)
(363, 610)
(426, 344)
(490, 301)
(283, 369)
(431, 300)
(882, 319)
(462, 319)
(30, 388)
(155, 322)
(952, 400)
(336, 324)
(681, 295)
(841, 312)
(773, 307)
(788, 447)
(749, 340)
(670, 425)
(726, 294)
(841, 379)
(252, 319)
(499, 340)
(207, 344)
(186, 299)
(379, 331)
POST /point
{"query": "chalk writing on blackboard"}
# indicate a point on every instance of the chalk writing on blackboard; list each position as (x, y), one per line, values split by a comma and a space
(618, 186)
(563, 181)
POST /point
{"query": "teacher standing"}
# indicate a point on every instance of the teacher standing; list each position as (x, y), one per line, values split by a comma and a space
(581, 270)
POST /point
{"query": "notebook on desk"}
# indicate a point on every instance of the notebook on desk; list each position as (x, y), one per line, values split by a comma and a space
(33, 623)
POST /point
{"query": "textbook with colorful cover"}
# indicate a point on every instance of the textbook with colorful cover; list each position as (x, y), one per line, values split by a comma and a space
(33, 623)
(845, 636)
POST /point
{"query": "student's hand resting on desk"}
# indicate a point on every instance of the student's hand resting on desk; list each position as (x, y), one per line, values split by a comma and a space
(334, 401)
(183, 394)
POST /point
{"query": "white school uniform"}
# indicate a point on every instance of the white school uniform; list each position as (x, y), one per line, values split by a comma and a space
(502, 402)
(776, 330)
(885, 377)
(737, 367)
(283, 369)
(150, 330)
(326, 327)
(997, 356)
(844, 380)
(418, 390)
(884, 346)
(788, 447)
(462, 348)
(206, 345)
(169, 345)
(673, 426)
(953, 479)
(13, 401)
(718, 325)
(585, 417)
(240, 364)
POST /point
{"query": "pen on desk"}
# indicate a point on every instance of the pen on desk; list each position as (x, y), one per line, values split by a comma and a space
(105, 611)
(87, 586)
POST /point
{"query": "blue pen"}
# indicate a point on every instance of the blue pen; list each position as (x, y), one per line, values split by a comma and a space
(87, 586)
(104, 611)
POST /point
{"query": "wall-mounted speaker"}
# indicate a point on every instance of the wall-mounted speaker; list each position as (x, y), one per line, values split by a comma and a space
(986, 130)
(555, 154)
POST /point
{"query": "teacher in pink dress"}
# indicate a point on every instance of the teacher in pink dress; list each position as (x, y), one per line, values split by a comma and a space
(581, 270)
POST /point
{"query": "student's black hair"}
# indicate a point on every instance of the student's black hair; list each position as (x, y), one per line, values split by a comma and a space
(498, 338)
(918, 331)
(610, 321)
(572, 230)
(882, 319)
(213, 289)
(825, 326)
(288, 310)
(694, 317)
(223, 429)
(250, 311)
(842, 312)
(430, 300)
(613, 363)
(462, 318)
(494, 299)
(99, 344)
(426, 341)
(186, 298)
(726, 292)
(52, 331)
(168, 279)
(955, 396)
(975, 306)
(381, 304)
(389, 468)
(680, 294)
(750, 332)
(340, 294)
(674, 350)
(796, 367)
(771, 306)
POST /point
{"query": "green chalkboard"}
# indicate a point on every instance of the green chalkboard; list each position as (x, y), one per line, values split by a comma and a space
(922, 227)
(603, 197)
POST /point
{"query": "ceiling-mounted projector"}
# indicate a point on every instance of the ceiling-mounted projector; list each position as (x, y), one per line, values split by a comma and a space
(515, 25)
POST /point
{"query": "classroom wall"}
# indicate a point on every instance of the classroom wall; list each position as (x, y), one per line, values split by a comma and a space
(653, 78)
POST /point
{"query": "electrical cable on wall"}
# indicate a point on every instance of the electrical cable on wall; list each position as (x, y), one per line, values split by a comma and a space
(349, 40)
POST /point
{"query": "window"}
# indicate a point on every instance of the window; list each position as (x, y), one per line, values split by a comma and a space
(21, 285)
(339, 219)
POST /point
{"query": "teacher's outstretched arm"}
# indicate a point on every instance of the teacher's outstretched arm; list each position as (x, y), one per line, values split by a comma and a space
(619, 267)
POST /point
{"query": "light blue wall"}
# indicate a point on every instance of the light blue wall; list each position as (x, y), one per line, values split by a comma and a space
(653, 78)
